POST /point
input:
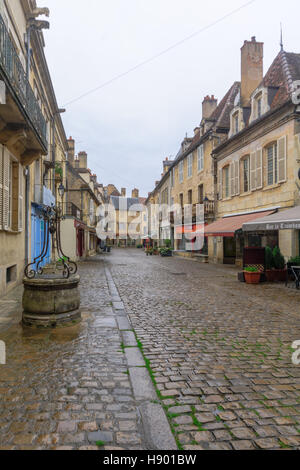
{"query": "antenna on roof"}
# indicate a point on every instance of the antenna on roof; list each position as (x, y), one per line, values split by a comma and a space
(281, 37)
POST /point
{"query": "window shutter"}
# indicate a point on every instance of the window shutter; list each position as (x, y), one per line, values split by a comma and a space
(253, 171)
(237, 177)
(5, 204)
(281, 152)
(232, 179)
(1, 185)
(21, 195)
(259, 178)
(221, 184)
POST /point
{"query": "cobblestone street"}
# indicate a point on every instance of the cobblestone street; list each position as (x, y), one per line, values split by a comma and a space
(69, 388)
(218, 351)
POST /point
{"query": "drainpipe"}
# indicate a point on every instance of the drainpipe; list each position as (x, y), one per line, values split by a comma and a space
(27, 172)
(27, 188)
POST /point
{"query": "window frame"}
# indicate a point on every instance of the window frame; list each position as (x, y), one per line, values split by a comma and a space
(190, 160)
(274, 170)
(200, 159)
(180, 172)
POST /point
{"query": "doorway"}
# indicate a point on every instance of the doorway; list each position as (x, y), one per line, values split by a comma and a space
(229, 250)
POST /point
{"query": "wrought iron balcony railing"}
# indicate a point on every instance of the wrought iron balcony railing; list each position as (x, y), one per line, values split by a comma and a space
(72, 211)
(12, 68)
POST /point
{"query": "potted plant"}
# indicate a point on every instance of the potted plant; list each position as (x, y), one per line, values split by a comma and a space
(149, 251)
(269, 264)
(252, 275)
(58, 172)
(279, 265)
(165, 252)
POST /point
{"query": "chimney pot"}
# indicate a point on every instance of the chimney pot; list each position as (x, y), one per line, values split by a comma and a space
(252, 54)
(208, 106)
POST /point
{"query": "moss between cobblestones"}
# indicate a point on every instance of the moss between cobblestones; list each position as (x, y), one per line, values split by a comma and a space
(161, 398)
(100, 443)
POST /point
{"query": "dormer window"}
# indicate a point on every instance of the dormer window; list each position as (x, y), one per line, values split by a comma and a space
(236, 123)
(259, 103)
(259, 107)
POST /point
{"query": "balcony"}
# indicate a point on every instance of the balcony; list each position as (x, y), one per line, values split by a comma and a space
(21, 118)
(70, 210)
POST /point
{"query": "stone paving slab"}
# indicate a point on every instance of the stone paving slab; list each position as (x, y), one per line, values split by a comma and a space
(157, 428)
(129, 339)
(134, 357)
(141, 383)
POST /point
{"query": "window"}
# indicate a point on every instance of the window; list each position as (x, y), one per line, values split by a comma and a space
(272, 168)
(200, 194)
(181, 200)
(200, 158)
(172, 177)
(246, 174)
(180, 172)
(259, 107)
(226, 182)
(190, 165)
(11, 192)
(190, 197)
(235, 123)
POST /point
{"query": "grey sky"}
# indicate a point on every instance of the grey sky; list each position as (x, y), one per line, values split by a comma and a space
(130, 126)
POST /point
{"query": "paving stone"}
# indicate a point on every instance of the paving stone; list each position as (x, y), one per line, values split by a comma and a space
(134, 357)
(100, 436)
(141, 383)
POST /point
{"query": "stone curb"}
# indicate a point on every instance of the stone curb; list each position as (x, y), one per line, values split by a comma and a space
(157, 431)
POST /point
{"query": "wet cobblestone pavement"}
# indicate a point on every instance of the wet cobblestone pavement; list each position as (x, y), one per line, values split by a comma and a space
(69, 388)
(220, 351)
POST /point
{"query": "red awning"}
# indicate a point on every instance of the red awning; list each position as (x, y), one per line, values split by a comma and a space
(227, 226)
(190, 229)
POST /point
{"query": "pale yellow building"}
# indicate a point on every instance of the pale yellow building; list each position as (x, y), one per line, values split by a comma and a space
(257, 166)
(29, 118)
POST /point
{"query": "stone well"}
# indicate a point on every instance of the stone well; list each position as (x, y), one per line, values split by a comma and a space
(51, 302)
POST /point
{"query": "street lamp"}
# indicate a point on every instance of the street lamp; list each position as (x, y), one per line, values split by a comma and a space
(61, 190)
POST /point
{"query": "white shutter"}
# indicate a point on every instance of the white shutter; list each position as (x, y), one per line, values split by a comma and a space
(21, 194)
(281, 153)
(232, 179)
(1, 185)
(237, 177)
(221, 184)
(253, 171)
(259, 174)
(6, 195)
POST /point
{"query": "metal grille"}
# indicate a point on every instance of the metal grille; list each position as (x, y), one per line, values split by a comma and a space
(13, 70)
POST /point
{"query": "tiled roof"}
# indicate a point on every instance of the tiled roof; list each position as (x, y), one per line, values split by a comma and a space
(283, 72)
(123, 202)
(222, 113)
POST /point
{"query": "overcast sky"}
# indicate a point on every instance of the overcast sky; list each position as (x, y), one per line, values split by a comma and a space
(128, 127)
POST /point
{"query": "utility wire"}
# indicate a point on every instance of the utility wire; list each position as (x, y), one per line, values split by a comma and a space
(165, 51)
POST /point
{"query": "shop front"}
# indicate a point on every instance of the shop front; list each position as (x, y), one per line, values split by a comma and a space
(279, 229)
(226, 239)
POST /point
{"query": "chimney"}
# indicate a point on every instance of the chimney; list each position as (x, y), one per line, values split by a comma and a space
(135, 193)
(209, 104)
(123, 192)
(82, 157)
(251, 68)
(71, 151)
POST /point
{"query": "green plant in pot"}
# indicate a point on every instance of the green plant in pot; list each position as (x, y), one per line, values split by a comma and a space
(278, 266)
(252, 275)
(269, 264)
